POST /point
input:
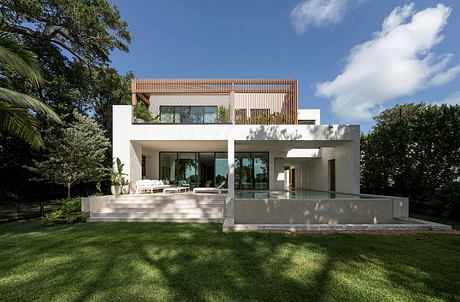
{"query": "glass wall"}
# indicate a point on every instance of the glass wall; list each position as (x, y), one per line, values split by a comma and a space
(188, 114)
(251, 169)
(260, 171)
(221, 169)
(179, 166)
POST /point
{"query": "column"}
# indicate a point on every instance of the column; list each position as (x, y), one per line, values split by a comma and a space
(229, 204)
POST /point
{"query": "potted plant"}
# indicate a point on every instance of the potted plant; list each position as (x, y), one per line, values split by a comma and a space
(115, 188)
(125, 186)
(117, 178)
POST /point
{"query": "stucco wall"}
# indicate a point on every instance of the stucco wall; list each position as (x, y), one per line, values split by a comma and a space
(128, 139)
(327, 211)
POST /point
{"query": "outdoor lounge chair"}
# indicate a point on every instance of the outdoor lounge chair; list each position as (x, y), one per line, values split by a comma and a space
(150, 186)
(220, 189)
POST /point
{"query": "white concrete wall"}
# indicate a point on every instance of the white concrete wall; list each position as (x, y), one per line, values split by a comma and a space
(309, 114)
(128, 138)
(152, 162)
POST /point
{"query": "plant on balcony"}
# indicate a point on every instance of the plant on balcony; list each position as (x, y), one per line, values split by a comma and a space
(264, 119)
(141, 112)
(223, 115)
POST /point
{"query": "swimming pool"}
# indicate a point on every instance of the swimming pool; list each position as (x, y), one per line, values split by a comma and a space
(297, 194)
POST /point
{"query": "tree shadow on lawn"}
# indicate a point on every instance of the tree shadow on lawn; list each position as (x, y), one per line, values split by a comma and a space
(162, 261)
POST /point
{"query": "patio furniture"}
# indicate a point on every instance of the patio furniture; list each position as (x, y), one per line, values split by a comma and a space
(176, 190)
(220, 189)
(148, 185)
(183, 183)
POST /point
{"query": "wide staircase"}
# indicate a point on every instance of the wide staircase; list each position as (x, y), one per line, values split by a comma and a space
(186, 207)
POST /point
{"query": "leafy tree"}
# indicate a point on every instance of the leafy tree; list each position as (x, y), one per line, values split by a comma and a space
(88, 30)
(72, 40)
(75, 154)
(414, 150)
(15, 115)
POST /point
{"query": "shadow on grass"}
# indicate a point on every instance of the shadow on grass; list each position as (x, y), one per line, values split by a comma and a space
(145, 261)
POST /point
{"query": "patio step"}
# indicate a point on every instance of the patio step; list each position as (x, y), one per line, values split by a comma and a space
(184, 207)
(155, 216)
(137, 219)
(212, 210)
(164, 206)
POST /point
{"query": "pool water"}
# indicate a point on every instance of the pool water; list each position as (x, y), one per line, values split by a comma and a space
(297, 194)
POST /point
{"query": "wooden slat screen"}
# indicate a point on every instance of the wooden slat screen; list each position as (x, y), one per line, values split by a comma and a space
(255, 93)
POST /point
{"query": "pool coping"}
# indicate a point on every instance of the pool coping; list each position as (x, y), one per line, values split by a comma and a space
(411, 224)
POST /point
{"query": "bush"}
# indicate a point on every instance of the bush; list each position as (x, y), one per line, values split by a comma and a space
(69, 212)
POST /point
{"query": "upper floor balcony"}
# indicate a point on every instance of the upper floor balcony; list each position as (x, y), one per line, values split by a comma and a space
(214, 101)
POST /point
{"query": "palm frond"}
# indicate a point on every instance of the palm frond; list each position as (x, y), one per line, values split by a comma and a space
(15, 58)
(18, 122)
(17, 99)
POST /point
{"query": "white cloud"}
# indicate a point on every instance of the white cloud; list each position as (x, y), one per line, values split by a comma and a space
(446, 76)
(317, 13)
(453, 99)
(396, 62)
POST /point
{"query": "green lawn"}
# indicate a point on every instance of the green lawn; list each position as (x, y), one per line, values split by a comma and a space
(173, 262)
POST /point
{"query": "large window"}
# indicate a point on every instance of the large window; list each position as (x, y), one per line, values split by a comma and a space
(188, 114)
(251, 171)
(201, 169)
(179, 166)
(221, 169)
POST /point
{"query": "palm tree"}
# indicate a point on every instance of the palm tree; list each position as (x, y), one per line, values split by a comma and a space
(18, 110)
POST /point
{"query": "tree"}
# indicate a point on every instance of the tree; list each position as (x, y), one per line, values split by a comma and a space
(16, 117)
(88, 30)
(75, 154)
(73, 40)
(414, 150)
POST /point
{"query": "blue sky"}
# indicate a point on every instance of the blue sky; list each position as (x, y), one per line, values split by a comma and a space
(348, 62)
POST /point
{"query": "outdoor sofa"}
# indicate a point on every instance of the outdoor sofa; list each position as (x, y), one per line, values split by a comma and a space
(147, 185)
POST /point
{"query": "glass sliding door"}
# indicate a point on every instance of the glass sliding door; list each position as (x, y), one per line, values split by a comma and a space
(186, 168)
(251, 169)
(243, 171)
(221, 169)
(168, 166)
(260, 171)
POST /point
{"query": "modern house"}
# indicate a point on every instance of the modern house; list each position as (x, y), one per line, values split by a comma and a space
(248, 134)
(273, 166)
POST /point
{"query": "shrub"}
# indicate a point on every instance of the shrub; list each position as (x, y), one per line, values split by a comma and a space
(69, 212)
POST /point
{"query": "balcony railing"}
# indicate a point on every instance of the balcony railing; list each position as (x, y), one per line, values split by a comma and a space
(182, 115)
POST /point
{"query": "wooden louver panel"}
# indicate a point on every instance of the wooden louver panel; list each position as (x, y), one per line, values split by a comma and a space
(254, 91)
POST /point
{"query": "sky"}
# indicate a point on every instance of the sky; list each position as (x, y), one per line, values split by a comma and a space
(352, 58)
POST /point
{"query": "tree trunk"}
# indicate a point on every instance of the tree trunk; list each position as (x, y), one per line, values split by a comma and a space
(68, 190)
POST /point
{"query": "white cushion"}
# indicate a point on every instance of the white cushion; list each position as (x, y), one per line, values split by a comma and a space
(161, 183)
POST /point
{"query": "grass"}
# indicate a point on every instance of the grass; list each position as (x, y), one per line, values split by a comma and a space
(178, 262)
(454, 223)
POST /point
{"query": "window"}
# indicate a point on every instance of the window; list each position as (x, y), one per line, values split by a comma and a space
(251, 171)
(188, 114)
(307, 122)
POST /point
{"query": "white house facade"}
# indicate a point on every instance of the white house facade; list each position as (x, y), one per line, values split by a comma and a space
(244, 134)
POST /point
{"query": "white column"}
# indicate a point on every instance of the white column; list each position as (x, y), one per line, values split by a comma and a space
(135, 167)
(229, 206)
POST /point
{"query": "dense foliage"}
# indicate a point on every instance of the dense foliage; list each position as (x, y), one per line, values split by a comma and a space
(69, 211)
(414, 150)
(72, 40)
(74, 154)
(18, 110)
